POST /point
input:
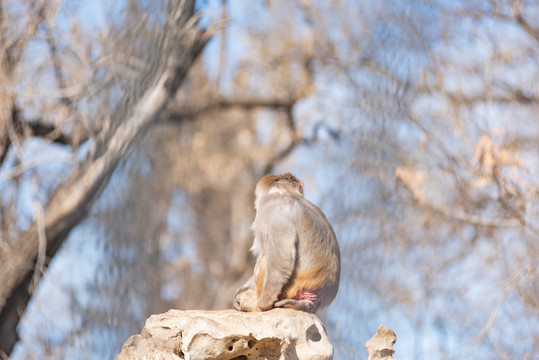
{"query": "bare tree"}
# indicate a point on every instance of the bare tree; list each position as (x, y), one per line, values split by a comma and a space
(23, 257)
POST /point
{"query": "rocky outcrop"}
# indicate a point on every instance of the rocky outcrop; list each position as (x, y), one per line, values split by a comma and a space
(380, 346)
(226, 335)
(232, 335)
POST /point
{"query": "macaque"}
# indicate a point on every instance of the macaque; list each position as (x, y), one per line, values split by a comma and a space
(298, 259)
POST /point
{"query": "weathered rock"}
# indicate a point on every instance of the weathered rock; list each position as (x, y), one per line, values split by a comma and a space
(380, 346)
(229, 334)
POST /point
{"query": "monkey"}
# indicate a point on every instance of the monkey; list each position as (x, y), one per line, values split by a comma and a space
(298, 258)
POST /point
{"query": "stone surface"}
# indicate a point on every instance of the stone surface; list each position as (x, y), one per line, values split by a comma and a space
(380, 347)
(229, 334)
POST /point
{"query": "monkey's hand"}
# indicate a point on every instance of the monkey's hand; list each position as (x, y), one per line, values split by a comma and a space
(237, 302)
(246, 301)
(245, 298)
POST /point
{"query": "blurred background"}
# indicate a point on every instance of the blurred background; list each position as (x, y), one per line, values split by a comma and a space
(414, 125)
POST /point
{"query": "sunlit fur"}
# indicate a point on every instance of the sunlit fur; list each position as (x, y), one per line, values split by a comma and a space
(298, 259)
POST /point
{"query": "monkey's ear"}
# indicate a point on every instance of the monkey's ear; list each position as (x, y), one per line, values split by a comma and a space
(301, 188)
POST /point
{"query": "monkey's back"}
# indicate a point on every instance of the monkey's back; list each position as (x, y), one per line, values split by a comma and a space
(318, 258)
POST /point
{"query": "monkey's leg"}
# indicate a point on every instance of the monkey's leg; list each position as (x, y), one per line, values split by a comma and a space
(303, 305)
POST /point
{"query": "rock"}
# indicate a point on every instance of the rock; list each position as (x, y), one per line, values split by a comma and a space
(380, 347)
(229, 334)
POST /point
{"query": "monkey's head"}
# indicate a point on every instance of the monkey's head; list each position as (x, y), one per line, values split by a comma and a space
(277, 183)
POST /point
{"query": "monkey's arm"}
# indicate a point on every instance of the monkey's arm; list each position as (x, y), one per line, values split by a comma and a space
(279, 245)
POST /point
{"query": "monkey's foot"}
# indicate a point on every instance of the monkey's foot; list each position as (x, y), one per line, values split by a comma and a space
(303, 305)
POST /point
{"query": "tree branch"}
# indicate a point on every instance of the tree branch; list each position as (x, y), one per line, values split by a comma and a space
(530, 30)
(178, 113)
